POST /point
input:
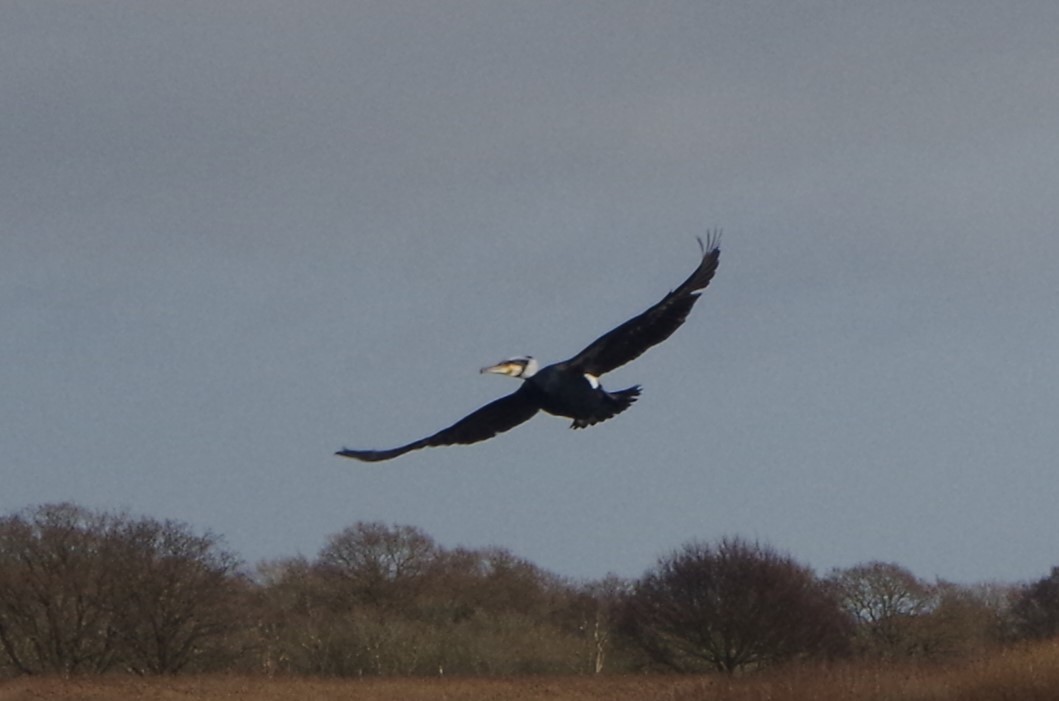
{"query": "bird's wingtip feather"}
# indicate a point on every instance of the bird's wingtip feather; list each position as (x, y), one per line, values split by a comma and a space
(713, 241)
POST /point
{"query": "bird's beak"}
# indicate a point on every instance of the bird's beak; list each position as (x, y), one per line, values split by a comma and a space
(505, 368)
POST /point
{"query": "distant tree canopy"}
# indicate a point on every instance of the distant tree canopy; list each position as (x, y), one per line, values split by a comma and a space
(898, 615)
(178, 597)
(85, 592)
(382, 599)
(731, 606)
(378, 564)
(887, 602)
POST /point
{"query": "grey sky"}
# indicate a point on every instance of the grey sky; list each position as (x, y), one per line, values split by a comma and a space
(238, 236)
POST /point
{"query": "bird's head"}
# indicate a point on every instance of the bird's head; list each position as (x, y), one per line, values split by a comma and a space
(522, 366)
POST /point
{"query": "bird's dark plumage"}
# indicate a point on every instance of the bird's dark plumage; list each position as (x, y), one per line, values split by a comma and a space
(571, 388)
(493, 418)
(629, 341)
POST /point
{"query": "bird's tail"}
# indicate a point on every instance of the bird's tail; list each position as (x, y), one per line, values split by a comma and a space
(616, 403)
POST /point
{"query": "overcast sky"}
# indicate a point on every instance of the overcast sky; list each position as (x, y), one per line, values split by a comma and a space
(238, 236)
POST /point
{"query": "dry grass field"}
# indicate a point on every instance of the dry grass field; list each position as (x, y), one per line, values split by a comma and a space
(1025, 674)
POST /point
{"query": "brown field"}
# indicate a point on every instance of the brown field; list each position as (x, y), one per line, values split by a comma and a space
(1025, 674)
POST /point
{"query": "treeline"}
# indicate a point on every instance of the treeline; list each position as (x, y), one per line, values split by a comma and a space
(85, 591)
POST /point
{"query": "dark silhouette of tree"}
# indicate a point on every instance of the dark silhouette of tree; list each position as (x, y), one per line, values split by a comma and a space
(1036, 608)
(732, 606)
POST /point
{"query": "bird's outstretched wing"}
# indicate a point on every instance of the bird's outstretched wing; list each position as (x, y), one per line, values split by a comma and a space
(493, 418)
(629, 341)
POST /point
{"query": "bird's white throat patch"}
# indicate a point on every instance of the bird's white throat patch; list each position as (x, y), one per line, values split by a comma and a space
(531, 367)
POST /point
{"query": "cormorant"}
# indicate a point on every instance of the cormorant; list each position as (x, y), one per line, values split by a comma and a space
(571, 388)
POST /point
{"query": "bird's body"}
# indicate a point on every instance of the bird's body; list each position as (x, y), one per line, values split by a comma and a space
(571, 388)
(562, 391)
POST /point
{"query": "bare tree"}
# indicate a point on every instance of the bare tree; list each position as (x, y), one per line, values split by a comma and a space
(352, 610)
(386, 600)
(302, 625)
(512, 583)
(378, 564)
(889, 605)
(177, 599)
(58, 576)
(732, 606)
(84, 591)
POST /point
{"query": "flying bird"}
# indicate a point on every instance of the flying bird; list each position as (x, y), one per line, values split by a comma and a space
(572, 388)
